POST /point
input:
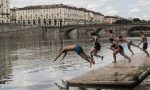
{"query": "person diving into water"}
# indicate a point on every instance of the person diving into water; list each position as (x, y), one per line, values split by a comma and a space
(78, 49)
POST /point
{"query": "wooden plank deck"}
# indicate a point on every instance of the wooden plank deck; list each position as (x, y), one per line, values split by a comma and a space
(119, 75)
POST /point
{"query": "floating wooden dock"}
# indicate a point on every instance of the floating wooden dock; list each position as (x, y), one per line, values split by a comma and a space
(119, 75)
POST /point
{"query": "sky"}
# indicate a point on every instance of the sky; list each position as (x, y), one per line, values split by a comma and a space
(124, 8)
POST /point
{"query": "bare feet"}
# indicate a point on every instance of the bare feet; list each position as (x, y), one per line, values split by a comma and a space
(92, 60)
(91, 55)
(147, 56)
(114, 62)
(129, 60)
(90, 64)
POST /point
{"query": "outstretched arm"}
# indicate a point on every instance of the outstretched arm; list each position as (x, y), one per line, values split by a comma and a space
(141, 41)
(107, 33)
(91, 39)
(64, 56)
(57, 56)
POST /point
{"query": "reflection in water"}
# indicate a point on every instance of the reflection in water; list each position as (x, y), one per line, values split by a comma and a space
(5, 63)
(26, 64)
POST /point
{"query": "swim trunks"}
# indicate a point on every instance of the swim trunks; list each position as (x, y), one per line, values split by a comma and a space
(78, 49)
(97, 46)
(145, 45)
(121, 47)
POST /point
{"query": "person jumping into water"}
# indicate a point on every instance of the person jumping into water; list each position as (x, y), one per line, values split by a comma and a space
(116, 48)
(78, 49)
(97, 46)
(129, 44)
(144, 41)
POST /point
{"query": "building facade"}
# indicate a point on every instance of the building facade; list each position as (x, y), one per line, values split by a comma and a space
(56, 15)
(110, 19)
(13, 15)
(4, 11)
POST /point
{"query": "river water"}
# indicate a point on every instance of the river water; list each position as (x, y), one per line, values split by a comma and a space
(27, 63)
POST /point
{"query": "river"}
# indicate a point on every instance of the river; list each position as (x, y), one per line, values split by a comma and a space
(27, 63)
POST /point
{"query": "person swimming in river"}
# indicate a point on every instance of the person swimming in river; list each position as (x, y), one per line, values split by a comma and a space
(116, 48)
(145, 44)
(129, 43)
(97, 46)
(78, 49)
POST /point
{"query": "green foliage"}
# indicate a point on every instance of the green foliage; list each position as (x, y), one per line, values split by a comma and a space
(123, 21)
(137, 20)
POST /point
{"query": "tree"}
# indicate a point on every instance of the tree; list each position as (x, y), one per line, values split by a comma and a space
(137, 20)
(123, 21)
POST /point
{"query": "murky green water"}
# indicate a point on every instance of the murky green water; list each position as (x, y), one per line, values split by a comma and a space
(26, 64)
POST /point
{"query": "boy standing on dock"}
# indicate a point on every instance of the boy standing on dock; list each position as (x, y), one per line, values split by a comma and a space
(145, 44)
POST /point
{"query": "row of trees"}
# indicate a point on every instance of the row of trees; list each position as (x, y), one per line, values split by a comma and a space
(126, 21)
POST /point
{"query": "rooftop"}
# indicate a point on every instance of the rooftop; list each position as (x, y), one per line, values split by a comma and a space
(57, 6)
(111, 17)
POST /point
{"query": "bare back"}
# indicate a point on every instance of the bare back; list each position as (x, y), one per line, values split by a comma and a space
(95, 39)
(144, 39)
(69, 48)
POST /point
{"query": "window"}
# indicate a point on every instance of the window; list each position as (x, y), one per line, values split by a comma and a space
(33, 21)
(28, 21)
(44, 22)
(49, 22)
